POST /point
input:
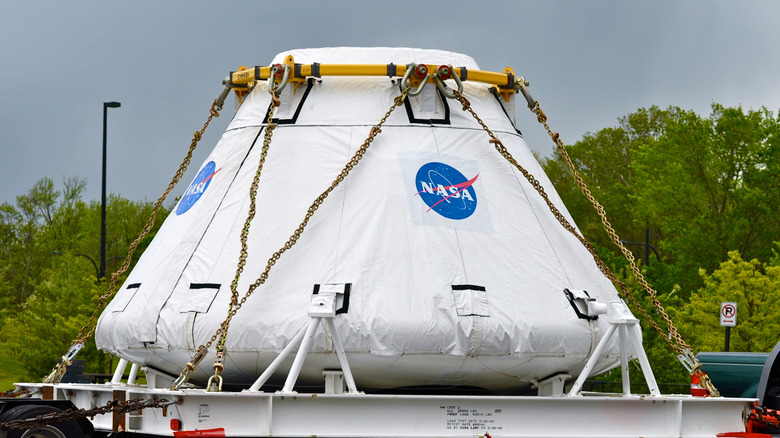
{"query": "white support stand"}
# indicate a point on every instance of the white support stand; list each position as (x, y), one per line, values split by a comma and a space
(133, 373)
(630, 338)
(322, 310)
(119, 371)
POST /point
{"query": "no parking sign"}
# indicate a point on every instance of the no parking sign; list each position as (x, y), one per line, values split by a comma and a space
(728, 314)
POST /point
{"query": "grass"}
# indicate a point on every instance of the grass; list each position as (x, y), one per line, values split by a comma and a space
(11, 370)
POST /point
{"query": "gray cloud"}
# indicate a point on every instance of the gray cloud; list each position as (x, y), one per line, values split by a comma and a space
(588, 62)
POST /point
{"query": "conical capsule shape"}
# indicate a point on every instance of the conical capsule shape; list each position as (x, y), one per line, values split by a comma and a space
(454, 265)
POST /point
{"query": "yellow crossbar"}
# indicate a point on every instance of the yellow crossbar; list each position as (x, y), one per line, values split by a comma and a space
(302, 71)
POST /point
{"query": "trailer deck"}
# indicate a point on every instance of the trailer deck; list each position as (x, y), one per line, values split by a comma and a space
(198, 412)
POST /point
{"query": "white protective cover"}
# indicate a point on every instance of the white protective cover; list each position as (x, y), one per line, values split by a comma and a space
(456, 265)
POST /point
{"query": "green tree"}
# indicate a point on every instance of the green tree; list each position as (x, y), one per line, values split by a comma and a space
(755, 287)
(23, 245)
(47, 291)
(606, 161)
(710, 186)
(701, 186)
(42, 330)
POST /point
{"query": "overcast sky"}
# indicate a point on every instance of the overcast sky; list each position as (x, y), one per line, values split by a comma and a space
(589, 62)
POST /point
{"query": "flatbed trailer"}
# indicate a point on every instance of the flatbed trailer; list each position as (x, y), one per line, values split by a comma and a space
(197, 412)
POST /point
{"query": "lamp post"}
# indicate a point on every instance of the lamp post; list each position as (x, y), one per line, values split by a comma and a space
(647, 246)
(78, 254)
(97, 273)
(102, 271)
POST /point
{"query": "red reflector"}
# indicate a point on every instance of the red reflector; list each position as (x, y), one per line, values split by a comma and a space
(444, 72)
(696, 389)
(175, 424)
(421, 71)
(745, 435)
(207, 433)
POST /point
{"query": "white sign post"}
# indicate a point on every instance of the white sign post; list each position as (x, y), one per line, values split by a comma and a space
(728, 318)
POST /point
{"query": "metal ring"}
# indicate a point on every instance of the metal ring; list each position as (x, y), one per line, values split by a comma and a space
(404, 82)
(521, 84)
(443, 87)
(273, 87)
(409, 69)
(221, 99)
(211, 379)
(456, 78)
(181, 380)
(74, 349)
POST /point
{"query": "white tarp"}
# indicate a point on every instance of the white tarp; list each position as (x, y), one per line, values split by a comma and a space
(456, 265)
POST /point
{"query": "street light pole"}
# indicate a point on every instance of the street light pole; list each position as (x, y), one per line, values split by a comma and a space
(97, 272)
(102, 272)
(647, 246)
(93, 263)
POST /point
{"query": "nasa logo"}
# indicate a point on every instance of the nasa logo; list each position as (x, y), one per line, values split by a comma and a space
(197, 188)
(446, 191)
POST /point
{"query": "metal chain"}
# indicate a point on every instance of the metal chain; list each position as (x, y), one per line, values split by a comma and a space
(223, 328)
(14, 393)
(113, 406)
(219, 364)
(764, 416)
(89, 327)
(269, 130)
(680, 346)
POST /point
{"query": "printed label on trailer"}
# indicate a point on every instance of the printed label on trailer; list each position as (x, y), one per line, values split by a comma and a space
(463, 418)
(197, 188)
(203, 413)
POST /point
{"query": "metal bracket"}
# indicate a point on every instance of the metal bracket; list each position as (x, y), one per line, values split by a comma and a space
(584, 305)
(623, 322)
(551, 386)
(327, 299)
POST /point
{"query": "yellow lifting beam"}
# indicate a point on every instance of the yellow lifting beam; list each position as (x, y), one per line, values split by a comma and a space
(247, 77)
(505, 83)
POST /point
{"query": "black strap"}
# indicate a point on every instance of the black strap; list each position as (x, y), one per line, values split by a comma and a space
(205, 285)
(468, 287)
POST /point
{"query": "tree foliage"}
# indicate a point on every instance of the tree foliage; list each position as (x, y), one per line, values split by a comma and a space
(755, 287)
(705, 191)
(50, 249)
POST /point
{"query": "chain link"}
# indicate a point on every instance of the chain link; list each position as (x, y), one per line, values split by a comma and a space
(269, 130)
(674, 339)
(89, 327)
(763, 416)
(113, 406)
(235, 306)
(14, 393)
